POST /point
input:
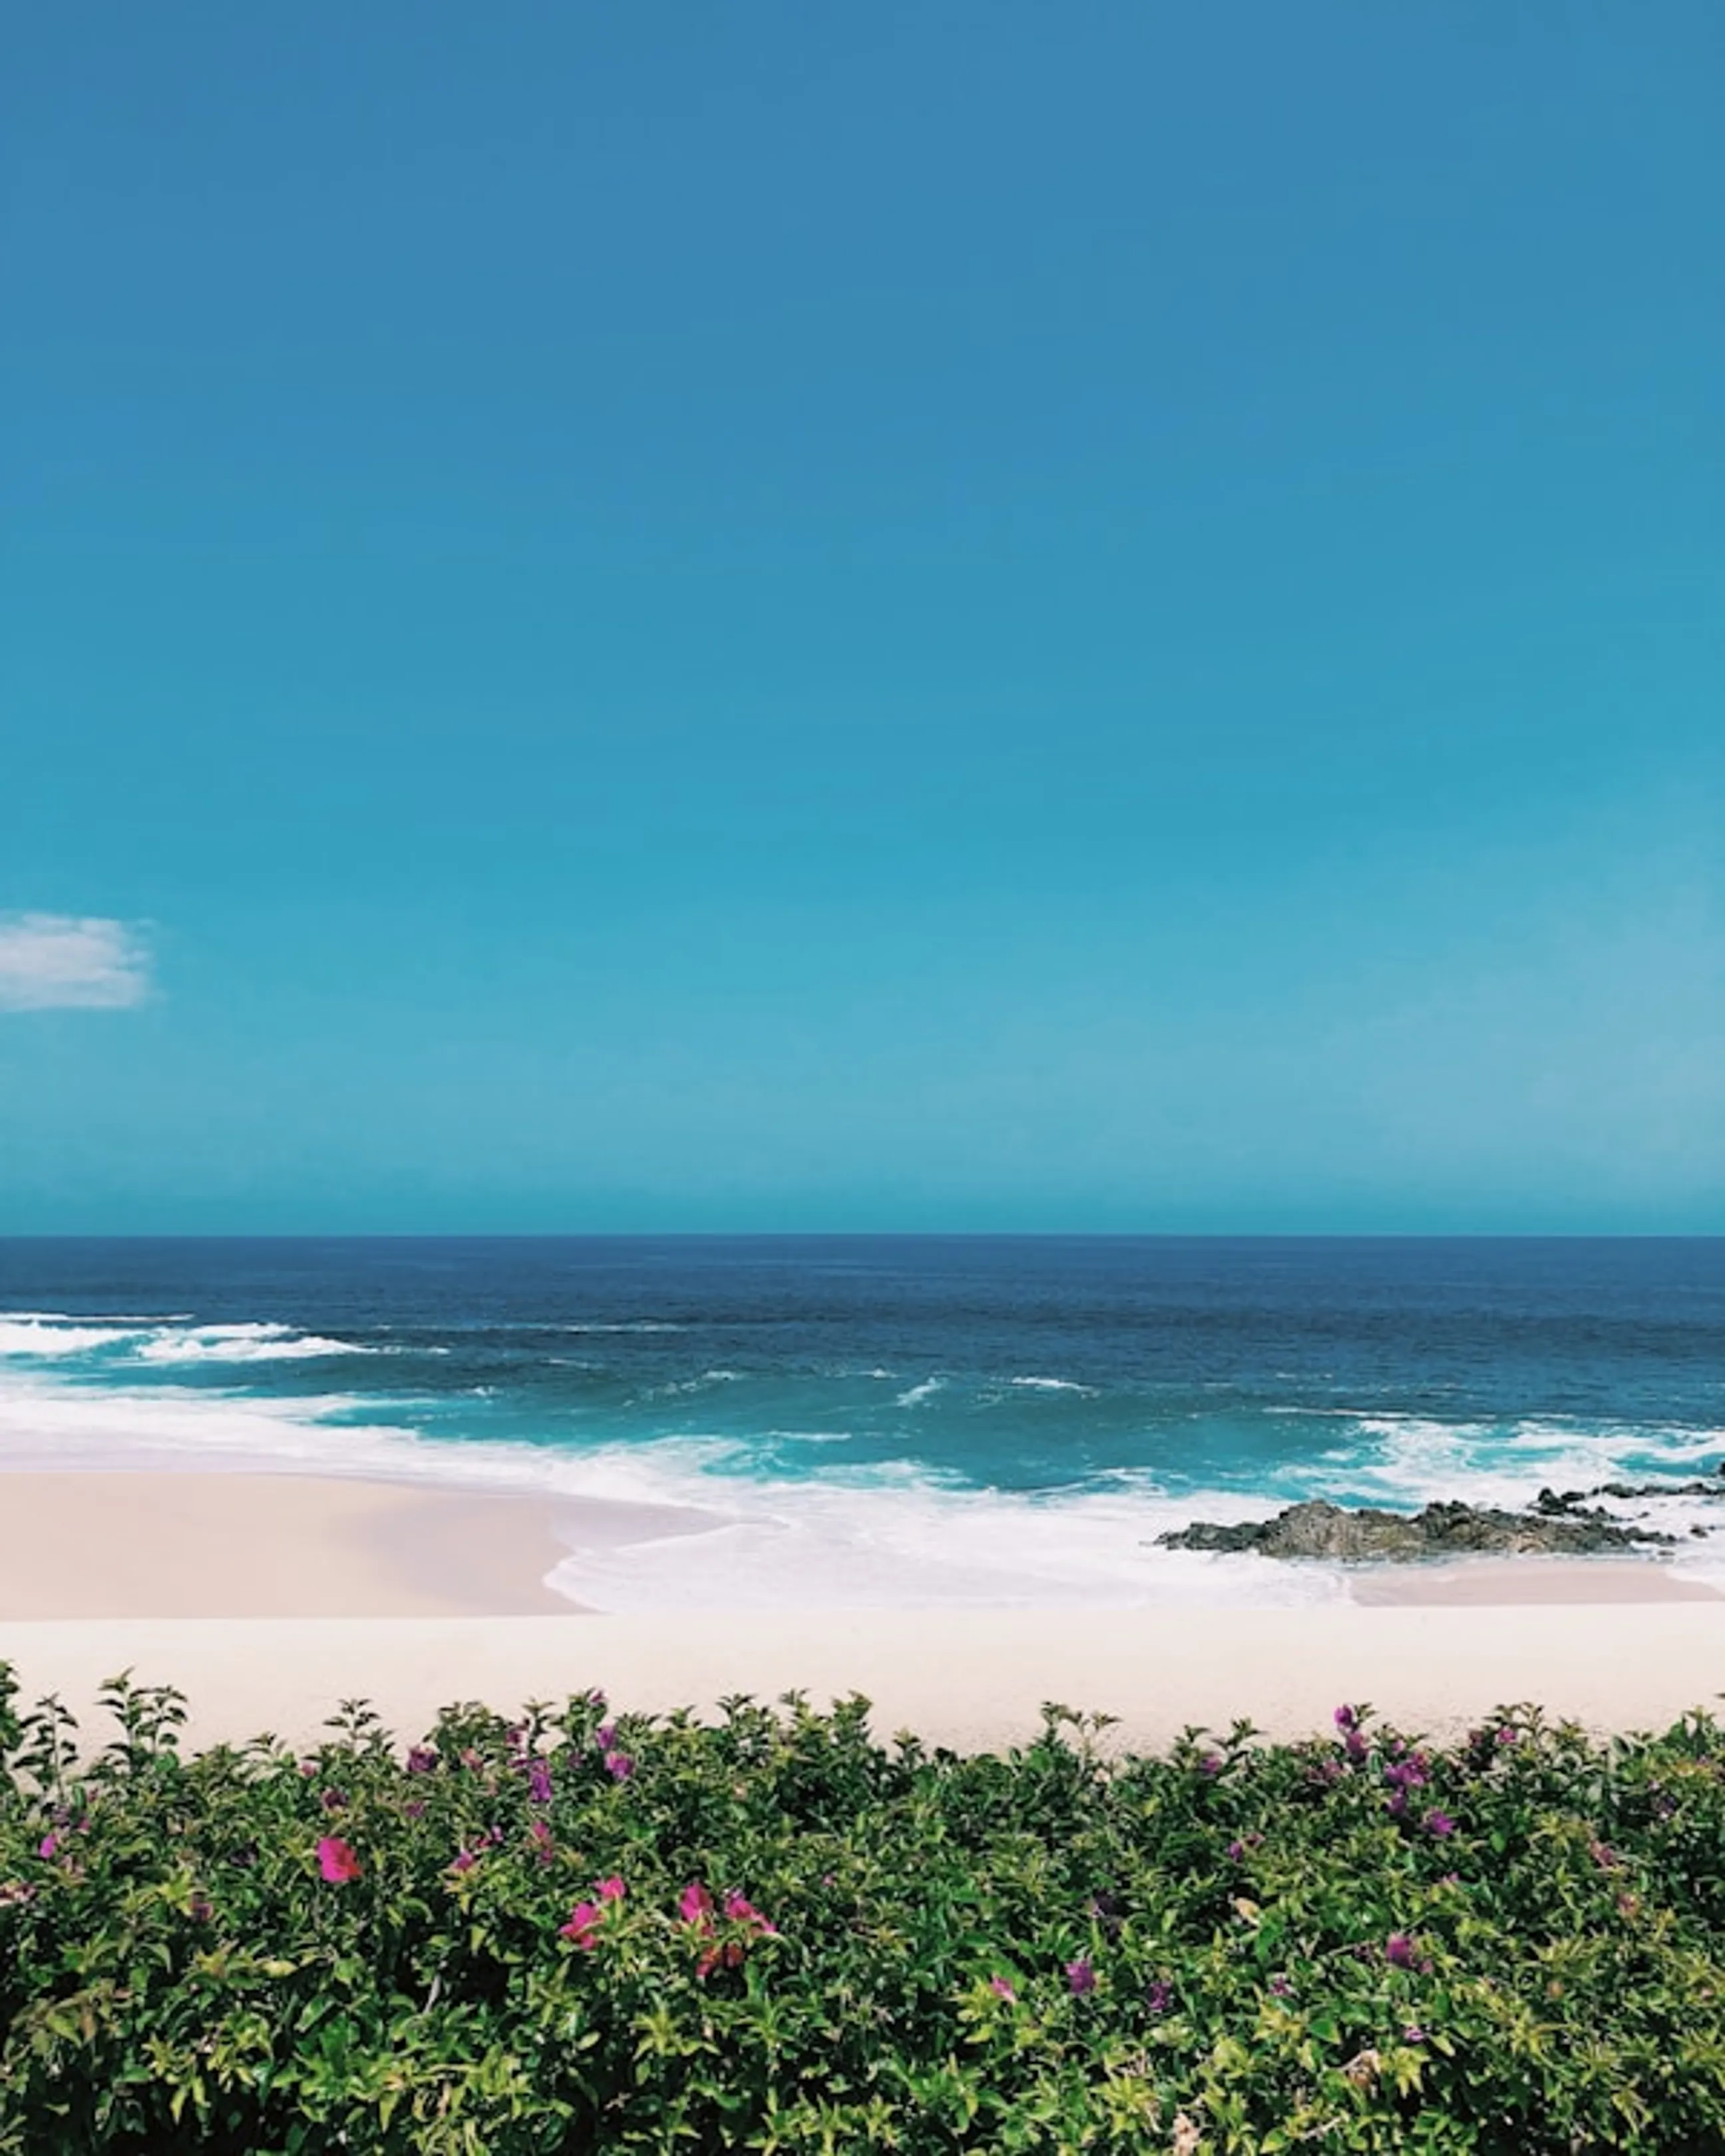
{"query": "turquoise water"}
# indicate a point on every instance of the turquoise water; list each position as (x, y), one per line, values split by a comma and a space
(876, 1419)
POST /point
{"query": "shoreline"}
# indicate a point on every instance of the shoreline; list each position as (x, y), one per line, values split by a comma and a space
(97, 1544)
(267, 1599)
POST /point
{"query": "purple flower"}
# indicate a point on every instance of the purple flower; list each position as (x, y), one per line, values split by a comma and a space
(1081, 1976)
(542, 1841)
(1347, 1718)
(1357, 1748)
(464, 1860)
(422, 1759)
(1002, 1989)
(1211, 1763)
(1440, 1823)
(618, 1766)
(1509, 1735)
(539, 1781)
(605, 1736)
(413, 1811)
(333, 1801)
(1280, 1987)
(1407, 1774)
(1159, 1996)
(1236, 1850)
(1400, 1952)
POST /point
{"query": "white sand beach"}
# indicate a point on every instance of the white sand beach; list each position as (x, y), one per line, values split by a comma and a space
(267, 1598)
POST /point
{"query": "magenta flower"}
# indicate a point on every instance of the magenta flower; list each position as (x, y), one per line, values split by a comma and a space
(1159, 1996)
(422, 1759)
(1002, 1989)
(1347, 1718)
(612, 1889)
(1081, 1976)
(464, 1860)
(308, 1768)
(695, 1905)
(1280, 1987)
(1508, 1734)
(539, 1781)
(584, 1925)
(542, 1839)
(618, 1766)
(1400, 1952)
(1440, 1823)
(742, 1910)
(605, 1736)
(47, 1846)
(336, 1861)
(1211, 1763)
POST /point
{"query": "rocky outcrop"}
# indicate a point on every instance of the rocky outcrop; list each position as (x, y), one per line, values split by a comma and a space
(1321, 1530)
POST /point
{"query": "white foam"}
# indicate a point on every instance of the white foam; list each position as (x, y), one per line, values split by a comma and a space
(1054, 1385)
(45, 1335)
(51, 1336)
(916, 1394)
(243, 1343)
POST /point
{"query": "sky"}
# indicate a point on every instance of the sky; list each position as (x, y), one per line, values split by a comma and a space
(969, 617)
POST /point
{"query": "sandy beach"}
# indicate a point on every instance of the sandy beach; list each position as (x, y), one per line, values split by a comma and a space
(267, 1599)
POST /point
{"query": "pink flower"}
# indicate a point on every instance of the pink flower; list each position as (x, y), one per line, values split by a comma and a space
(464, 1860)
(695, 1905)
(618, 1766)
(308, 1768)
(422, 1759)
(48, 1844)
(413, 1811)
(1002, 1989)
(1440, 1823)
(539, 1781)
(605, 1736)
(1081, 1976)
(336, 1861)
(742, 1910)
(584, 1925)
(612, 1889)
(542, 1839)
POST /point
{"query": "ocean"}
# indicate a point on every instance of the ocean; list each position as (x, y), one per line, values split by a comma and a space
(866, 1420)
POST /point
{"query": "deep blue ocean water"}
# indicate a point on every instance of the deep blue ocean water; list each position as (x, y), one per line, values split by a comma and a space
(880, 1419)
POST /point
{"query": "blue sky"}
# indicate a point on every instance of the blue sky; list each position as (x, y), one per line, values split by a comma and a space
(976, 617)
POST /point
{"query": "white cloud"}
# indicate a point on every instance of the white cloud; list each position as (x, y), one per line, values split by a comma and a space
(59, 962)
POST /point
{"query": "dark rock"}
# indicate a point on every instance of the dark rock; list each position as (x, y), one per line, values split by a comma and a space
(1321, 1530)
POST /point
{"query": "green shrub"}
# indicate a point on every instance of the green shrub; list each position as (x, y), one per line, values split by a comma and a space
(574, 1932)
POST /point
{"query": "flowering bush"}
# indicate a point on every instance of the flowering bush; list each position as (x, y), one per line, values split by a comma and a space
(776, 1934)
